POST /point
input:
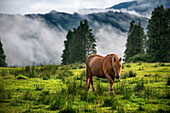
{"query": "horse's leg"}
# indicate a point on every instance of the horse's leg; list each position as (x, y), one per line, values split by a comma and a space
(91, 80)
(87, 79)
(87, 83)
(111, 82)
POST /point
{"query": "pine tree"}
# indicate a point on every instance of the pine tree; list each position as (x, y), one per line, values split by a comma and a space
(80, 45)
(76, 47)
(66, 51)
(158, 44)
(2, 56)
(135, 40)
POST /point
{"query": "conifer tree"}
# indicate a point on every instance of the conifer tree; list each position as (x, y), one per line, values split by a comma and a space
(80, 45)
(158, 44)
(135, 40)
(66, 51)
(2, 56)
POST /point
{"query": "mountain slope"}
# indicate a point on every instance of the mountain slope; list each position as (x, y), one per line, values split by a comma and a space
(143, 7)
(67, 21)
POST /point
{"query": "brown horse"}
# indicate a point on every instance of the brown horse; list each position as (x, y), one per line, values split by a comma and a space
(103, 67)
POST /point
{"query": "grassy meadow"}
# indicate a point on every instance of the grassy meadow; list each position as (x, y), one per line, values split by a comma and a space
(143, 87)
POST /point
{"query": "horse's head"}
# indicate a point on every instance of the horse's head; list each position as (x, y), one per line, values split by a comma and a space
(117, 66)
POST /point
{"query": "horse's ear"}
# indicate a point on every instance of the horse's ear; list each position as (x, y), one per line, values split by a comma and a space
(120, 59)
(114, 59)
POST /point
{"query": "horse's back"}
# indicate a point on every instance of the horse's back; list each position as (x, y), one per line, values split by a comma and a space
(94, 64)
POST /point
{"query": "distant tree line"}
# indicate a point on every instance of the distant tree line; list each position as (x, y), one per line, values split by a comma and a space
(155, 45)
(79, 44)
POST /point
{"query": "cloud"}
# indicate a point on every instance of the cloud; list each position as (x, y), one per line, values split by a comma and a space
(44, 6)
(110, 40)
(27, 41)
(95, 10)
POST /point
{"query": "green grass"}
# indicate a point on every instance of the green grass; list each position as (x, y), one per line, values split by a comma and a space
(62, 89)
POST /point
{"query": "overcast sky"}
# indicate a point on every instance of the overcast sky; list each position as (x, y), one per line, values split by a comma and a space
(45, 6)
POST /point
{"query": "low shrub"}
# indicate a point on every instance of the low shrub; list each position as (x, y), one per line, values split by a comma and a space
(39, 86)
(140, 63)
(140, 58)
(81, 66)
(132, 74)
(21, 77)
(128, 74)
(141, 68)
(161, 64)
(128, 65)
(124, 75)
(149, 75)
(45, 76)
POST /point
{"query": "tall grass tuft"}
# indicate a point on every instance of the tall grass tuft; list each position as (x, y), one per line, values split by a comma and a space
(121, 109)
(128, 74)
(139, 85)
(59, 102)
(4, 72)
(119, 88)
(99, 89)
(83, 95)
(72, 88)
(4, 93)
(39, 86)
(82, 76)
(69, 109)
(110, 102)
(28, 95)
(127, 93)
(168, 81)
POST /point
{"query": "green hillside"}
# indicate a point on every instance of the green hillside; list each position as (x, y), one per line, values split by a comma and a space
(143, 87)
